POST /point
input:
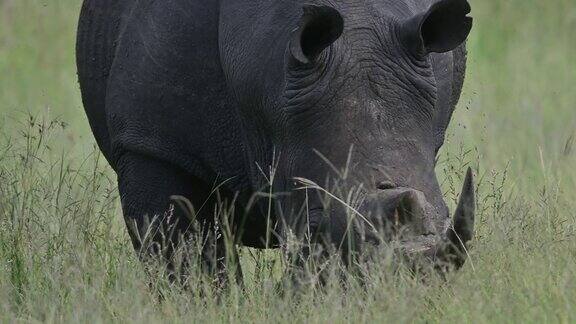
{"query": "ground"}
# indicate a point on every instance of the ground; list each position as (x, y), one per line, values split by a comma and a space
(65, 256)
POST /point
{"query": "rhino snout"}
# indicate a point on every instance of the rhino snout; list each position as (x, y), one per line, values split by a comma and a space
(398, 212)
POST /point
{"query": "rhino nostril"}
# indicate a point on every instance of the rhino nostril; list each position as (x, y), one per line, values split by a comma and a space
(385, 185)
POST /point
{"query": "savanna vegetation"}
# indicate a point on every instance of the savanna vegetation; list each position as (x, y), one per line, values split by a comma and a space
(65, 255)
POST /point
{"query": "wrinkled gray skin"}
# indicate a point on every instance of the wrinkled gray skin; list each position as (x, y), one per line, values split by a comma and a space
(185, 94)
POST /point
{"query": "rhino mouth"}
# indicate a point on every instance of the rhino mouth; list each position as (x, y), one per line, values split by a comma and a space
(448, 245)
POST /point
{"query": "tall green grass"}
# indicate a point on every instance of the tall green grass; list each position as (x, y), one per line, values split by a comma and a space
(65, 255)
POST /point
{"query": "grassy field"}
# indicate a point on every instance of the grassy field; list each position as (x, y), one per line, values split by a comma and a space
(65, 256)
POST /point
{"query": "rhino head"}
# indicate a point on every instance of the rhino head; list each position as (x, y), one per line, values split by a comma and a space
(366, 94)
(362, 96)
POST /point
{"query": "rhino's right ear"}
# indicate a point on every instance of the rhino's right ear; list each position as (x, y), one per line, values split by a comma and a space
(442, 28)
(319, 27)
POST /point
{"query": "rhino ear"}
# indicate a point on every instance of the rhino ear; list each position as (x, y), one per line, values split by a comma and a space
(442, 28)
(320, 26)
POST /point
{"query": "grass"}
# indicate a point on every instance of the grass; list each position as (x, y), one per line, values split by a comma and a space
(65, 255)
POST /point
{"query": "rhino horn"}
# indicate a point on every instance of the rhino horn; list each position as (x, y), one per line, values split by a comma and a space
(462, 230)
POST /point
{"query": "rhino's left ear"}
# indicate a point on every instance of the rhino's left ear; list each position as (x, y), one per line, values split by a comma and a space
(320, 26)
(442, 28)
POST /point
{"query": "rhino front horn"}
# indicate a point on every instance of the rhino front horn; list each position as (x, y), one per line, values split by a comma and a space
(462, 230)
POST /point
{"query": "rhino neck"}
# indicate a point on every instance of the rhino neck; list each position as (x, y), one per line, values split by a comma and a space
(253, 38)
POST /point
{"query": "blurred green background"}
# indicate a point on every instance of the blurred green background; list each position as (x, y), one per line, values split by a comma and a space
(516, 123)
(518, 105)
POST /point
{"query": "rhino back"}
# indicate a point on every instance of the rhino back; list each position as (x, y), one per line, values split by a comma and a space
(164, 94)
